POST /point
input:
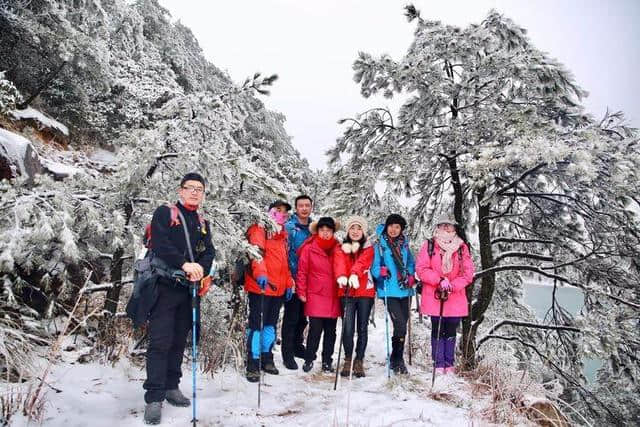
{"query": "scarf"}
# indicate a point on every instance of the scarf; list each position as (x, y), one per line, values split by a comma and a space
(325, 244)
(449, 242)
(396, 253)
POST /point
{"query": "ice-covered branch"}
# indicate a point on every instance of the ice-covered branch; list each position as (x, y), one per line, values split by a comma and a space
(515, 254)
(512, 240)
(525, 325)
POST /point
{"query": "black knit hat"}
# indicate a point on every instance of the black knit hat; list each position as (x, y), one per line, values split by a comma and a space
(192, 176)
(326, 221)
(395, 219)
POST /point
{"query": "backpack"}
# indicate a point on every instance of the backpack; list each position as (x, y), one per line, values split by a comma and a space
(175, 220)
(241, 266)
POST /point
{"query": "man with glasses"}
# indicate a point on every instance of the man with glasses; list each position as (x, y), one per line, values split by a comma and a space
(170, 319)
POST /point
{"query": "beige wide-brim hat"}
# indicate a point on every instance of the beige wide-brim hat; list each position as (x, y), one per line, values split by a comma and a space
(355, 219)
(446, 219)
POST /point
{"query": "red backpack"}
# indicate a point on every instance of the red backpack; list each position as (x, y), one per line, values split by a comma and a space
(175, 220)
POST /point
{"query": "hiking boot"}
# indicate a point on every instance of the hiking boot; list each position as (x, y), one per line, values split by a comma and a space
(308, 365)
(290, 363)
(400, 368)
(358, 368)
(346, 368)
(176, 398)
(253, 371)
(153, 413)
(326, 367)
(267, 364)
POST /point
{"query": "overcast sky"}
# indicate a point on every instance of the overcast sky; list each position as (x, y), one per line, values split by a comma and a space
(312, 45)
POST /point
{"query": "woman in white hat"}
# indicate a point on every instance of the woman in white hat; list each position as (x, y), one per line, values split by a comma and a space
(351, 265)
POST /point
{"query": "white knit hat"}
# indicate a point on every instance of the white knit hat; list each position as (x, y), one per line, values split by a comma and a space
(356, 220)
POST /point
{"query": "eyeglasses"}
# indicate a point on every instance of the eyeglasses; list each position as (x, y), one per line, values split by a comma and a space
(193, 189)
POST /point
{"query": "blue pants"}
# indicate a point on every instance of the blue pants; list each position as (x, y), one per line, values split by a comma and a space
(261, 341)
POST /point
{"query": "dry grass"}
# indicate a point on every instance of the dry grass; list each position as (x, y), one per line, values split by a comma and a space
(510, 400)
(27, 402)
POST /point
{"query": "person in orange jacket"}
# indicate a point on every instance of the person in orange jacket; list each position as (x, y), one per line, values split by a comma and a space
(266, 281)
(351, 265)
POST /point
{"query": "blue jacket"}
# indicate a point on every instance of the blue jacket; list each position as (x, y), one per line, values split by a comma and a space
(297, 234)
(383, 257)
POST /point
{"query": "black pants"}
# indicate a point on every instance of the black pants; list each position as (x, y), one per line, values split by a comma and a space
(293, 323)
(169, 324)
(399, 313)
(356, 308)
(261, 340)
(321, 326)
(448, 326)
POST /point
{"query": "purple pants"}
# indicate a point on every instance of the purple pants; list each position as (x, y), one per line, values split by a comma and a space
(443, 341)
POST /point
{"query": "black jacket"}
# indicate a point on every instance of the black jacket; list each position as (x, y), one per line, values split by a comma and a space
(168, 243)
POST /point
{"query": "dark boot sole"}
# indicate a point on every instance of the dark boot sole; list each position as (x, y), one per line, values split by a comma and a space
(178, 404)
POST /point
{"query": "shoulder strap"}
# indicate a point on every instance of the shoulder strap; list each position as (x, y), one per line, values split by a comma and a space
(430, 247)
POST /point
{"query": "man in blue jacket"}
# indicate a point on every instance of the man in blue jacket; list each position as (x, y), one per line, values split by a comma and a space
(294, 321)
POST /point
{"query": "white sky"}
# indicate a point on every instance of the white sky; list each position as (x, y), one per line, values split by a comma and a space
(312, 45)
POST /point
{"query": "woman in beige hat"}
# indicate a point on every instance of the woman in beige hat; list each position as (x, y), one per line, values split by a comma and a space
(351, 268)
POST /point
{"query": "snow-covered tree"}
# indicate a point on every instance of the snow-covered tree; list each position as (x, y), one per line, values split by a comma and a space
(494, 127)
(131, 81)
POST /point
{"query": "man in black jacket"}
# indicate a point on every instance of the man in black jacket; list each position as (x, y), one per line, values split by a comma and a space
(170, 319)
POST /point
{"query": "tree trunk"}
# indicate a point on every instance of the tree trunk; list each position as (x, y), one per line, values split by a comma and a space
(113, 294)
(487, 286)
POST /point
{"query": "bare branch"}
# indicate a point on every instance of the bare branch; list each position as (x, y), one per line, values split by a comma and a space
(525, 325)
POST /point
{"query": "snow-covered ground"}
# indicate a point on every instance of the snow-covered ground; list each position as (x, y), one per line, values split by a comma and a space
(97, 395)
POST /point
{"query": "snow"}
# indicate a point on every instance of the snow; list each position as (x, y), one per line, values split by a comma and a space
(60, 169)
(104, 396)
(31, 113)
(15, 148)
(103, 156)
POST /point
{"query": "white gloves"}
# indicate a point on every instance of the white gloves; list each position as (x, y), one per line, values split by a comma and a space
(353, 281)
(342, 281)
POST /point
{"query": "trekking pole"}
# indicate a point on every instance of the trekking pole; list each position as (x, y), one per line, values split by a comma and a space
(194, 347)
(386, 328)
(194, 319)
(260, 345)
(409, 328)
(442, 296)
(344, 317)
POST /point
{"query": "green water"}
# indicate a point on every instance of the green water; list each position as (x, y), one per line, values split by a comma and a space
(538, 297)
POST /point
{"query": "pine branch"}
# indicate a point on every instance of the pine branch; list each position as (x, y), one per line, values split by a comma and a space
(525, 325)
(514, 254)
(513, 240)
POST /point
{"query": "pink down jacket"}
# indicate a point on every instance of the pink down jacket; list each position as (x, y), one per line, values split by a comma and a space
(429, 270)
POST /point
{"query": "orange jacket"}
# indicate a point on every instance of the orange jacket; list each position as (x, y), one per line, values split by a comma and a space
(346, 264)
(274, 263)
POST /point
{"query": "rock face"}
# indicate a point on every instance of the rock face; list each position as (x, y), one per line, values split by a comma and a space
(17, 156)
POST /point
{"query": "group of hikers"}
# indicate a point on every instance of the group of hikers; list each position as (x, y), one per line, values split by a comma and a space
(305, 267)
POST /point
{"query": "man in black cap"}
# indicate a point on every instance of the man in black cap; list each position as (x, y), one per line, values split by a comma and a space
(171, 319)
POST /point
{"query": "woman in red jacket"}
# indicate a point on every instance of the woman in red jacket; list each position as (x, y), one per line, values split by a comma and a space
(266, 281)
(316, 287)
(351, 268)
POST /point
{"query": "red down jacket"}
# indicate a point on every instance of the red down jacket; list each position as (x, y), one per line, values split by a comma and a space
(274, 263)
(346, 264)
(315, 280)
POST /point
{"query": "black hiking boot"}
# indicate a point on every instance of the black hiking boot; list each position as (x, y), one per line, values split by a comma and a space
(308, 365)
(253, 371)
(153, 413)
(176, 398)
(326, 367)
(267, 364)
(290, 363)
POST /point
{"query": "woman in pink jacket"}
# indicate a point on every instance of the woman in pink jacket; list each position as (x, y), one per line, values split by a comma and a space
(445, 268)
(317, 288)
